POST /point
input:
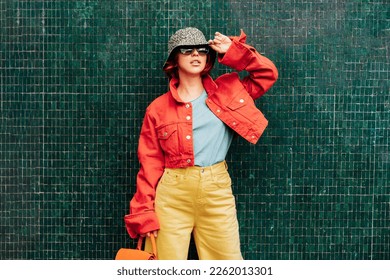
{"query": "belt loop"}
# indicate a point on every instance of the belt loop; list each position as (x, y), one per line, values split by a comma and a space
(187, 170)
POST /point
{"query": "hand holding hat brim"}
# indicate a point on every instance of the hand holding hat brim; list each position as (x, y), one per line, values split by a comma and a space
(221, 43)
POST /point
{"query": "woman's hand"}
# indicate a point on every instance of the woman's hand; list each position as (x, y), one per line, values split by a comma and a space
(220, 43)
(149, 233)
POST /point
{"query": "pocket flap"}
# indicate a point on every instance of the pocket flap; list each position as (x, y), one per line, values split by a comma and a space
(166, 131)
(241, 99)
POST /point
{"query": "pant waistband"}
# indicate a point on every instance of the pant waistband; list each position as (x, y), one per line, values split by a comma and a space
(200, 170)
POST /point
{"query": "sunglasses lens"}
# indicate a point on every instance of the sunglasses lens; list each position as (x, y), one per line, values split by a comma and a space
(203, 50)
(188, 51)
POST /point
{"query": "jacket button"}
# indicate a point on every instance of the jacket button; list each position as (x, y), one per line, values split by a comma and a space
(188, 118)
(188, 137)
(187, 105)
(218, 111)
(188, 161)
(234, 123)
(242, 100)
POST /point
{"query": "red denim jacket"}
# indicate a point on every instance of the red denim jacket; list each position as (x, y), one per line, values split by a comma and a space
(166, 133)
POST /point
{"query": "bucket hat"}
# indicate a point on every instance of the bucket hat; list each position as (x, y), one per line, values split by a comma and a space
(189, 36)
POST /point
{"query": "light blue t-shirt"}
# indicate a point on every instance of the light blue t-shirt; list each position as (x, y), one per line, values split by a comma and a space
(212, 138)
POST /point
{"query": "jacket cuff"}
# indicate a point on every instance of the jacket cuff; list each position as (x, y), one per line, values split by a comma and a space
(140, 223)
(238, 55)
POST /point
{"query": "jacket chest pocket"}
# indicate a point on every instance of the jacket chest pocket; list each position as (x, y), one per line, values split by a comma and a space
(244, 105)
(168, 138)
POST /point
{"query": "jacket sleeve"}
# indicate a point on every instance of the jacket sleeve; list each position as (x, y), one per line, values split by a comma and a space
(262, 71)
(142, 217)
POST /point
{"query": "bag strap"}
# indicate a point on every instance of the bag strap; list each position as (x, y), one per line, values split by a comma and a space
(139, 243)
(153, 241)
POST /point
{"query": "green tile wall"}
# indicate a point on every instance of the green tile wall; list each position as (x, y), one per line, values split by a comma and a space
(76, 77)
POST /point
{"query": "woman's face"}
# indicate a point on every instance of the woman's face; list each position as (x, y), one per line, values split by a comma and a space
(191, 61)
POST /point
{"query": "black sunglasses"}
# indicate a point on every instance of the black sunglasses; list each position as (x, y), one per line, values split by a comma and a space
(189, 50)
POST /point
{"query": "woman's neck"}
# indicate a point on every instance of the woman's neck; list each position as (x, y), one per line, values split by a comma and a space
(190, 88)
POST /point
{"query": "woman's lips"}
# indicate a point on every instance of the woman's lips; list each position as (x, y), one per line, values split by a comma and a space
(195, 62)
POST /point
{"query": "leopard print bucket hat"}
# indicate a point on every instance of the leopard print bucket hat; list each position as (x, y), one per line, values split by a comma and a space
(189, 36)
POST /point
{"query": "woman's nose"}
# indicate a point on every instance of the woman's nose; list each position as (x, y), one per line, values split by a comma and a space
(194, 52)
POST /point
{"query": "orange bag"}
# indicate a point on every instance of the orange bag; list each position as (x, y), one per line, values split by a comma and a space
(138, 253)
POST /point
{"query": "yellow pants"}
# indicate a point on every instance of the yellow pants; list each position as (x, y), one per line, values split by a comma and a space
(197, 200)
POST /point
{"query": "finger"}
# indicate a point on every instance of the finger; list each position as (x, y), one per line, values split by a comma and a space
(219, 35)
(214, 47)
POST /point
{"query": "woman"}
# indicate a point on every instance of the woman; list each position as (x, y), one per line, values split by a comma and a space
(183, 186)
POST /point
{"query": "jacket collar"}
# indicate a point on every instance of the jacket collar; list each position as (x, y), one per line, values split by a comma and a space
(208, 83)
